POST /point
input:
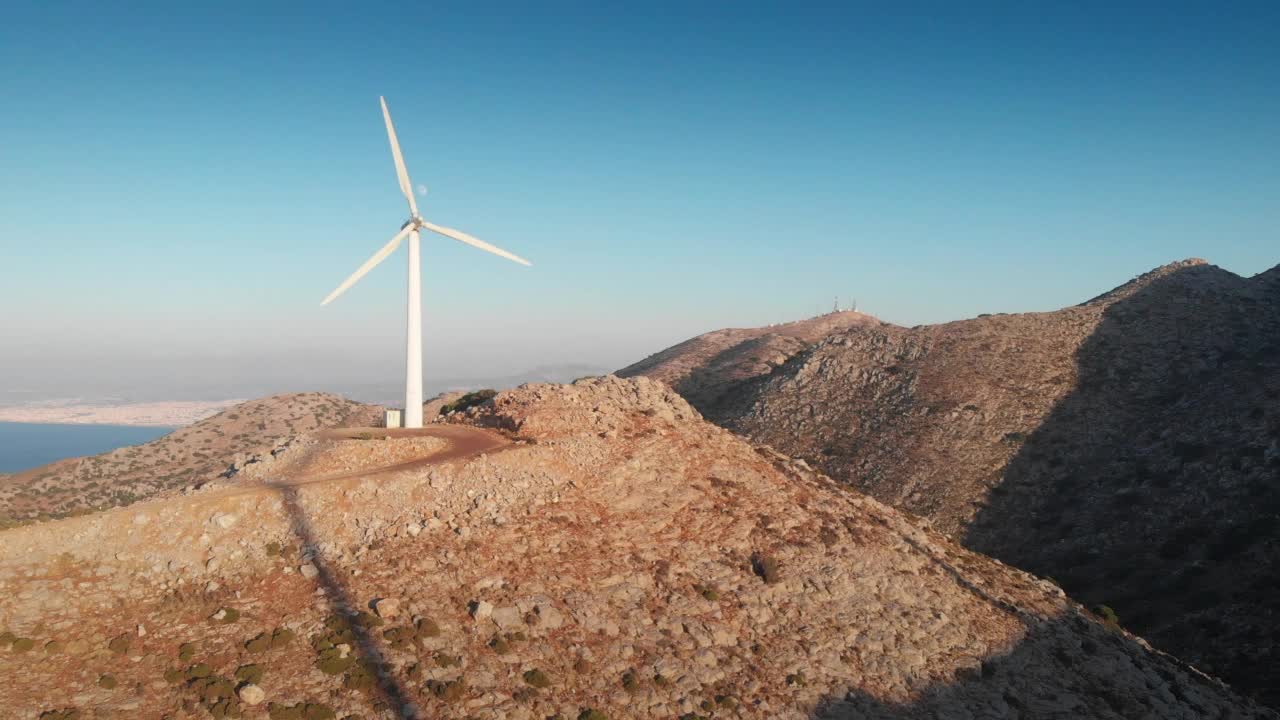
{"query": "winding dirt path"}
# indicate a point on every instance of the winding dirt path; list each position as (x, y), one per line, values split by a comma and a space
(463, 442)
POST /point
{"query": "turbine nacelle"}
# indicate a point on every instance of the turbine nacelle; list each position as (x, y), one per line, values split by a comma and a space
(415, 222)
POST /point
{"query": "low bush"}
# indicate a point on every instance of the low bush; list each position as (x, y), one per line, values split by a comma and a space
(630, 681)
(470, 400)
(1107, 614)
(537, 678)
(120, 644)
(448, 690)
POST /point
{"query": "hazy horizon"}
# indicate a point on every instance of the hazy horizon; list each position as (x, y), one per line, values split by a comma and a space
(182, 190)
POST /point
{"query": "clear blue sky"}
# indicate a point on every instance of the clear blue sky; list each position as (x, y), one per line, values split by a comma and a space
(181, 184)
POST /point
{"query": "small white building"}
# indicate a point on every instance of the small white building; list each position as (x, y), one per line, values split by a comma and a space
(392, 418)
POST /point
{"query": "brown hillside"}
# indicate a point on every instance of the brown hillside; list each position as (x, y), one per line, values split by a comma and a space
(1128, 447)
(188, 456)
(619, 558)
(707, 368)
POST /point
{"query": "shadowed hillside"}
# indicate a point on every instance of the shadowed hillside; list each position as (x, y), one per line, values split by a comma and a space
(187, 456)
(1126, 446)
(1067, 669)
(1154, 486)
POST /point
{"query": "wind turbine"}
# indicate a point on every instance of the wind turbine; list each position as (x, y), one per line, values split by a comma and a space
(413, 332)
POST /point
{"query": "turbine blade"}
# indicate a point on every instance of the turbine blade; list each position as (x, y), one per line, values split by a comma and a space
(405, 186)
(369, 264)
(473, 242)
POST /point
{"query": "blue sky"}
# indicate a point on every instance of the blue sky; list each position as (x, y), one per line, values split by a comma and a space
(180, 186)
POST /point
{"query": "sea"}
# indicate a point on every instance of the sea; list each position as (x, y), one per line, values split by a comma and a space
(28, 445)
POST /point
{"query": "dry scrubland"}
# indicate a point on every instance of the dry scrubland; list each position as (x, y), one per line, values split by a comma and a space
(618, 558)
(186, 457)
(1128, 447)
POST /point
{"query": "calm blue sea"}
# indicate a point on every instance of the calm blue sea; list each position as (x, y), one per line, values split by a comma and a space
(25, 445)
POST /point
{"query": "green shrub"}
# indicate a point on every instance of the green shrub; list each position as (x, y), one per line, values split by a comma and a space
(427, 627)
(358, 677)
(537, 678)
(300, 711)
(400, 637)
(1107, 614)
(107, 681)
(276, 711)
(630, 682)
(470, 400)
(592, 714)
(500, 645)
(448, 691)
(250, 674)
(258, 644)
(282, 637)
(186, 651)
(120, 644)
(22, 645)
(334, 664)
(225, 616)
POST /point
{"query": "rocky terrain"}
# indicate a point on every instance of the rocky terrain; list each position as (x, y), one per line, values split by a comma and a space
(186, 457)
(1128, 447)
(602, 553)
(708, 370)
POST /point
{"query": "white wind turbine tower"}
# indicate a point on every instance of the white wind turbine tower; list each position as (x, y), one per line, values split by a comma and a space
(413, 332)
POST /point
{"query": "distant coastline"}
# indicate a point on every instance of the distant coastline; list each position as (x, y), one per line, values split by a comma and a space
(27, 445)
(148, 414)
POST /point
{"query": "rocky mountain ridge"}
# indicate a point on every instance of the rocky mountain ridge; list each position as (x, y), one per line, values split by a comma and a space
(1128, 447)
(618, 557)
(710, 367)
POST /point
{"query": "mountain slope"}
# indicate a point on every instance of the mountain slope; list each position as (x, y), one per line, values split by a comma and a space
(188, 456)
(620, 558)
(1129, 447)
(708, 369)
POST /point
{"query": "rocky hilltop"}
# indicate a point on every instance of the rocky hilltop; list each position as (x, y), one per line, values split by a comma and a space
(186, 457)
(708, 370)
(1128, 447)
(598, 551)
